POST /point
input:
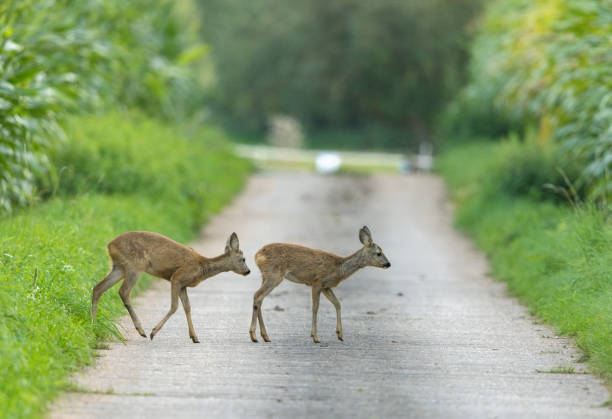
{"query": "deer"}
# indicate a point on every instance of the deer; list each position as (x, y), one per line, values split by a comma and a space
(317, 269)
(135, 252)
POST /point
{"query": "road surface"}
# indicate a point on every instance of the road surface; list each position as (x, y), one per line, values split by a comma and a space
(431, 337)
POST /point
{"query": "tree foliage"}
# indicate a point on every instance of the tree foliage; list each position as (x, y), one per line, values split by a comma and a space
(338, 63)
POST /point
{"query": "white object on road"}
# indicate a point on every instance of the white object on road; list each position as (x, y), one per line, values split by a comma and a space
(328, 163)
(424, 162)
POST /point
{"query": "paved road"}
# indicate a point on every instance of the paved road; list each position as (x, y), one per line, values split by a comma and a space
(430, 337)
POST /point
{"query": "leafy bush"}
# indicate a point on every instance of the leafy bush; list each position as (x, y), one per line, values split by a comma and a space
(51, 255)
(59, 57)
(114, 155)
(514, 169)
(547, 63)
(534, 170)
(42, 73)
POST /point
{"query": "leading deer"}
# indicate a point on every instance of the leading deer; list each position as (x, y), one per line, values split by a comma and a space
(318, 269)
(139, 251)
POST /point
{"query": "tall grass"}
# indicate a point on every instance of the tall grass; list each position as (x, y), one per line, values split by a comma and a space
(115, 173)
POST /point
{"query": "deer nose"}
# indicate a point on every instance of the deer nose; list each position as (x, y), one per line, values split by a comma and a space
(247, 272)
(388, 265)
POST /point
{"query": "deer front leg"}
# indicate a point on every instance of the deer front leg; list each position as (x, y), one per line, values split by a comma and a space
(174, 297)
(260, 294)
(187, 308)
(316, 295)
(332, 299)
(268, 283)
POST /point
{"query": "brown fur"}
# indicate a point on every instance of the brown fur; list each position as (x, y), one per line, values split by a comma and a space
(140, 251)
(318, 269)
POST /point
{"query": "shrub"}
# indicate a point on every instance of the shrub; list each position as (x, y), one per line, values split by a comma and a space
(112, 154)
(512, 168)
(59, 57)
(547, 63)
(533, 170)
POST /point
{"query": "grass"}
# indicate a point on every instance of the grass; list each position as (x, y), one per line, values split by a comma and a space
(115, 173)
(74, 388)
(555, 258)
(558, 370)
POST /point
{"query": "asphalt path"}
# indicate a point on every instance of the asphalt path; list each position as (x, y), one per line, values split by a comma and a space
(431, 337)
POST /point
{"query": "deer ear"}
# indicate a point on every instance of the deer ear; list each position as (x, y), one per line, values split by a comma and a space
(232, 243)
(365, 237)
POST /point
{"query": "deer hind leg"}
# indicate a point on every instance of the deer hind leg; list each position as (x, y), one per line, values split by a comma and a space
(269, 282)
(187, 308)
(176, 287)
(329, 294)
(316, 295)
(101, 287)
(124, 292)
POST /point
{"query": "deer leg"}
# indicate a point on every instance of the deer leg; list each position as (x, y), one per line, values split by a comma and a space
(176, 287)
(327, 292)
(316, 295)
(269, 282)
(187, 308)
(262, 326)
(101, 287)
(124, 292)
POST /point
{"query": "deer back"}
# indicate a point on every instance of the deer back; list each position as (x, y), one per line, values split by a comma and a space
(142, 251)
(298, 263)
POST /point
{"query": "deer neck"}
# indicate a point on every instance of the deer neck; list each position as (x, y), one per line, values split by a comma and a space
(214, 266)
(352, 263)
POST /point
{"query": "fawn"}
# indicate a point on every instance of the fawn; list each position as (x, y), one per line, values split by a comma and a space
(318, 269)
(139, 251)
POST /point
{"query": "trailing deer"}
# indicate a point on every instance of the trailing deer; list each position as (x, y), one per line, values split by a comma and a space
(318, 269)
(139, 251)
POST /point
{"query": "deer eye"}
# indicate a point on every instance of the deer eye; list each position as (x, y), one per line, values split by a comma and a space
(242, 260)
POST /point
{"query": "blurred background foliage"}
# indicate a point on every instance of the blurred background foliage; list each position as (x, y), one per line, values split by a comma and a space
(60, 57)
(376, 72)
(376, 75)
(544, 66)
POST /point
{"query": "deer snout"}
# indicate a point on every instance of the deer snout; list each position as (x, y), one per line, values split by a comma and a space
(247, 272)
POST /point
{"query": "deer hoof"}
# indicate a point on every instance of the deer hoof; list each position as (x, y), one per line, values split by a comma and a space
(253, 338)
(195, 340)
(143, 334)
(266, 339)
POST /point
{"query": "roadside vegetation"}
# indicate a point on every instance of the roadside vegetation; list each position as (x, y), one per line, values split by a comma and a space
(526, 155)
(100, 133)
(114, 174)
(555, 257)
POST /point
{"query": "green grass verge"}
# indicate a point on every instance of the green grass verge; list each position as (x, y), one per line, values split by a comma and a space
(555, 258)
(114, 174)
